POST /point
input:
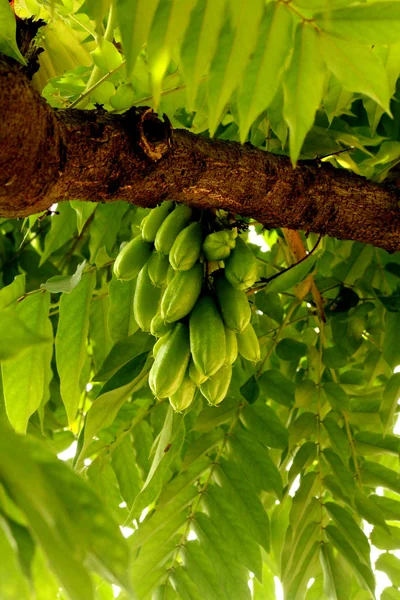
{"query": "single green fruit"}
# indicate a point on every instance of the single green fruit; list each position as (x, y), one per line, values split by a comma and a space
(195, 375)
(248, 344)
(170, 363)
(216, 387)
(231, 346)
(132, 258)
(146, 300)
(172, 225)
(158, 268)
(241, 266)
(218, 245)
(186, 248)
(159, 343)
(159, 327)
(184, 395)
(182, 293)
(207, 336)
(235, 307)
(153, 221)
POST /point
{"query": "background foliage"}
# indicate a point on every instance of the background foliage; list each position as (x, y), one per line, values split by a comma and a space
(295, 474)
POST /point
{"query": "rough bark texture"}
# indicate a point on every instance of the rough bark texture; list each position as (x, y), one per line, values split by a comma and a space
(48, 156)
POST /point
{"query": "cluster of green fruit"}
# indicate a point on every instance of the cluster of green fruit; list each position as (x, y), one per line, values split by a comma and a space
(190, 293)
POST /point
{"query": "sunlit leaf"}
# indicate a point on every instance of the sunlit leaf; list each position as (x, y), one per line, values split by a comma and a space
(357, 68)
(236, 42)
(71, 342)
(8, 42)
(376, 23)
(303, 87)
(262, 76)
(24, 377)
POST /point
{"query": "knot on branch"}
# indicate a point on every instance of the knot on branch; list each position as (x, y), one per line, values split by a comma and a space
(154, 135)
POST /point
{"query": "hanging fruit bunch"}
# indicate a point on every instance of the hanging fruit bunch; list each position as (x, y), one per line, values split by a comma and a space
(192, 277)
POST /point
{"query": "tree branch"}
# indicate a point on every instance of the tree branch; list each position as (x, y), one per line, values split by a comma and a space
(48, 156)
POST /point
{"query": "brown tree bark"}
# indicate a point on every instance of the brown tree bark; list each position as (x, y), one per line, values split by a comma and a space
(48, 156)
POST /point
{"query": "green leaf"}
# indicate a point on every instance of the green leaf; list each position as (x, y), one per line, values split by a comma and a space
(107, 58)
(361, 571)
(375, 23)
(235, 45)
(391, 349)
(337, 438)
(202, 445)
(334, 584)
(350, 530)
(8, 42)
(169, 445)
(15, 337)
(264, 71)
(336, 100)
(36, 495)
(303, 87)
(106, 406)
(184, 585)
(250, 390)
(233, 577)
(169, 24)
(233, 531)
(390, 593)
(121, 321)
(106, 225)
(122, 352)
(170, 511)
(270, 304)
(10, 293)
(199, 44)
(386, 540)
(303, 427)
(276, 386)
(13, 584)
(209, 418)
(99, 335)
(24, 377)
(71, 352)
(245, 501)
(292, 277)
(302, 459)
(336, 396)
(84, 211)
(95, 9)
(357, 68)
(378, 475)
(369, 511)
(63, 227)
(389, 564)
(44, 581)
(305, 393)
(343, 474)
(134, 30)
(391, 396)
(64, 283)
(201, 570)
(124, 465)
(295, 573)
(255, 462)
(263, 422)
(302, 499)
(389, 507)
(290, 349)
(368, 442)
